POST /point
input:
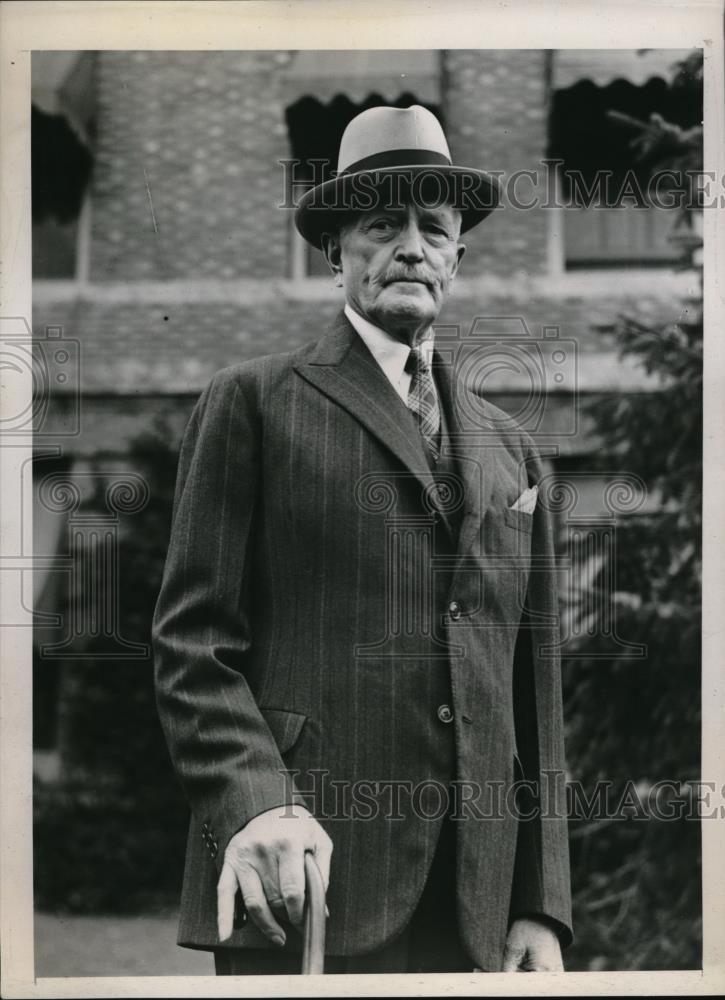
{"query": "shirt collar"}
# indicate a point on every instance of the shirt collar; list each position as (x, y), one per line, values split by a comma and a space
(389, 353)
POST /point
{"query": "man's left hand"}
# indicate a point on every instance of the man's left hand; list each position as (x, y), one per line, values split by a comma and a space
(532, 946)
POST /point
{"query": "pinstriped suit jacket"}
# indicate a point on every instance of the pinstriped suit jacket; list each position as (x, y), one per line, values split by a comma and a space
(303, 637)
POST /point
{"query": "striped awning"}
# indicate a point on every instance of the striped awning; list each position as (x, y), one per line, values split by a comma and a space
(602, 66)
(61, 84)
(388, 72)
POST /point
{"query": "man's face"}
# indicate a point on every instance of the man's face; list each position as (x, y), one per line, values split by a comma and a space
(397, 265)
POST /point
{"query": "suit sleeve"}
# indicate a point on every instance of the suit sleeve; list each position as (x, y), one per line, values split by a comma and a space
(541, 885)
(220, 745)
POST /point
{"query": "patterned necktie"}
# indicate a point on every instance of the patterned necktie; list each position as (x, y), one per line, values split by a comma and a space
(423, 400)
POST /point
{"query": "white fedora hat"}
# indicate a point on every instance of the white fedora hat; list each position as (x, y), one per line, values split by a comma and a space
(385, 143)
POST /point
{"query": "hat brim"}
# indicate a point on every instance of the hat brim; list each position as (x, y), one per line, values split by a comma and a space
(323, 208)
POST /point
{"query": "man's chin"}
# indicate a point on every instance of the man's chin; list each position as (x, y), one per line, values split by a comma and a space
(407, 307)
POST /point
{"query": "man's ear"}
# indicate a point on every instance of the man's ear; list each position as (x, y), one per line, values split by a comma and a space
(459, 257)
(332, 251)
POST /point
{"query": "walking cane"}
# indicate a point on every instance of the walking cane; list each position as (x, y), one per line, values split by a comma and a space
(313, 954)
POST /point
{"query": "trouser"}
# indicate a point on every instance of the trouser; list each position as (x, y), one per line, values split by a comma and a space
(429, 943)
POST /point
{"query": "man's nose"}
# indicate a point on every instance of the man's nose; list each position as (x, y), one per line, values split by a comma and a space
(410, 246)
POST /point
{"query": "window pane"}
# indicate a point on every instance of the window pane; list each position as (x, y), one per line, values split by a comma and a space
(615, 236)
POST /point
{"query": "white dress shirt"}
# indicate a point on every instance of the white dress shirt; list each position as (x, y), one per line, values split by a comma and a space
(390, 354)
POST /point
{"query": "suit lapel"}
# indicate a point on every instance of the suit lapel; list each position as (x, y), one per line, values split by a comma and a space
(343, 369)
(474, 451)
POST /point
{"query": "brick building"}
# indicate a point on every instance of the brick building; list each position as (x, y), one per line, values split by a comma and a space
(166, 254)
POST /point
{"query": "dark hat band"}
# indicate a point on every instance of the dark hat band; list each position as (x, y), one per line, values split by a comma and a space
(398, 158)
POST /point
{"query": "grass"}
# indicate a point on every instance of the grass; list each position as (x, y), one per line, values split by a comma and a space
(114, 946)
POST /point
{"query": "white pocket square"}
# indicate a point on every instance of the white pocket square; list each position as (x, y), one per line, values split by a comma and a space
(526, 503)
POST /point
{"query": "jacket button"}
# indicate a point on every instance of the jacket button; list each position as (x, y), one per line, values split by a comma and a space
(445, 713)
(454, 610)
(213, 850)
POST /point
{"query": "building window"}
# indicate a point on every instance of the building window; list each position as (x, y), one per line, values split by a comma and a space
(49, 607)
(315, 130)
(61, 167)
(609, 219)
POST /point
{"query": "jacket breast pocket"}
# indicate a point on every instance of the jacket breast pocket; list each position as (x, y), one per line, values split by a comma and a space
(286, 727)
(518, 519)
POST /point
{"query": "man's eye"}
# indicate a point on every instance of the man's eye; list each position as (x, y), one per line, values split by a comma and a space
(384, 224)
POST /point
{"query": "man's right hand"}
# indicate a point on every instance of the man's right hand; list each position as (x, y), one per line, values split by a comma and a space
(266, 861)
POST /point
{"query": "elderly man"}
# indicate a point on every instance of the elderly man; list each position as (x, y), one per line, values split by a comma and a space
(356, 633)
